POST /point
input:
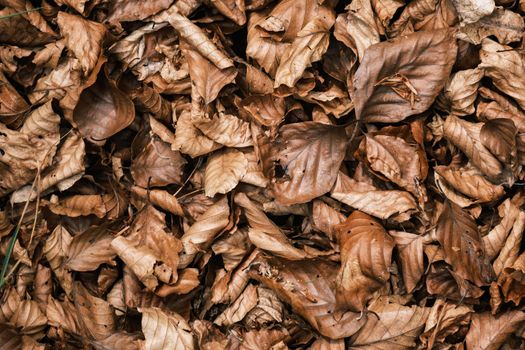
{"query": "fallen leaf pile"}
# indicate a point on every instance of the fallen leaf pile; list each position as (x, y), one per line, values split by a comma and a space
(262, 174)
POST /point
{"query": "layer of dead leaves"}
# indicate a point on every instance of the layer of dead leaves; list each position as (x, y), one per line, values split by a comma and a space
(258, 174)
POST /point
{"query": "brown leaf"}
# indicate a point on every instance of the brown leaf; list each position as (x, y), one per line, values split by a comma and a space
(458, 234)
(357, 28)
(505, 67)
(310, 155)
(238, 310)
(499, 136)
(367, 198)
(264, 234)
(424, 59)
(126, 11)
(315, 301)
(490, 332)
(202, 233)
(83, 38)
(392, 326)
(165, 330)
(190, 140)
(309, 46)
(505, 25)
(466, 186)
(96, 315)
(225, 129)
(410, 247)
(460, 92)
(471, 11)
(224, 170)
(467, 137)
(233, 9)
(89, 250)
(103, 110)
(207, 78)
(325, 218)
(17, 30)
(366, 253)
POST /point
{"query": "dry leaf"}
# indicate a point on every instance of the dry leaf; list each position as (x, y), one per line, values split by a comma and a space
(224, 170)
(401, 78)
(165, 330)
(366, 253)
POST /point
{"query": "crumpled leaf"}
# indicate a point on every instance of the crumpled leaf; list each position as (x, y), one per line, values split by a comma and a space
(310, 155)
(83, 38)
(505, 67)
(264, 234)
(505, 25)
(366, 253)
(417, 66)
(461, 91)
(233, 9)
(490, 332)
(309, 46)
(88, 250)
(190, 140)
(226, 129)
(357, 28)
(368, 199)
(165, 330)
(97, 316)
(238, 310)
(459, 237)
(471, 11)
(224, 170)
(157, 165)
(29, 149)
(392, 326)
(410, 248)
(315, 301)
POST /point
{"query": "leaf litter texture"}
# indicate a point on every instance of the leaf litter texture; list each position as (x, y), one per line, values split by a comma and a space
(254, 174)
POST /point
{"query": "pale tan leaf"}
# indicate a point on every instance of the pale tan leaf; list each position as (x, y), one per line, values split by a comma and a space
(269, 309)
(367, 198)
(62, 314)
(240, 308)
(509, 213)
(149, 230)
(510, 250)
(190, 140)
(202, 233)
(466, 136)
(233, 9)
(391, 327)
(10, 303)
(29, 318)
(386, 9)
(29, 149)
(357, 28)
(309, 46)
(254, 175)
(327, 344)
(164, 330)
(224, 170)
(207, 78)
(119, 341)
(445, 318)
(268, 110)
(471, 11)
(460, 92)
(89, 250)
(264, 234)
(79, 205)
(68, 167)
(325, 218)
(142, 261)
(366, 254)
(232, 247)
(505, 67)
(197, 39)
(83, 38)
(56, 249)
(421, 62)
(466, 186)
(505, 25)
(160, 198)
(226, 129)
(489, 332)
(188, 280)
(96, 315)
